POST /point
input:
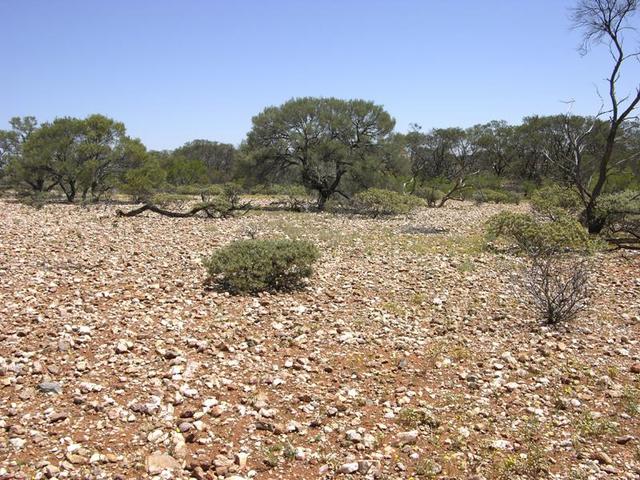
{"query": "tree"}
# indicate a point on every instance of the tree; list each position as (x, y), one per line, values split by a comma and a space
(445, 155)
(218, 158)
(76, 155)
(322, 139)
(606, 21)
(496, 139)
(12, 141)
(184, 171)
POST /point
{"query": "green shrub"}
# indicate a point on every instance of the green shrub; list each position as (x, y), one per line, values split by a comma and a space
(483, 181)
(536, 237)
(375, 202)
(555, 200)
(250, 266)
(294, 197)
(164, 198)
(615, 206)
(487, 195)
(431, 195)
(620, 214)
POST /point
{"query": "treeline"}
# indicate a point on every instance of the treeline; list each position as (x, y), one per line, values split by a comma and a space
(331, 147)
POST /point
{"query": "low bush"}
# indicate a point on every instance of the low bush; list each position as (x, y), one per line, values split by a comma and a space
(535, 237)
(375, 202)
(487, 195)
(620, 215)
(555, 201)
(293, 197)
(431, 195)
(164, 198)
(250, 266)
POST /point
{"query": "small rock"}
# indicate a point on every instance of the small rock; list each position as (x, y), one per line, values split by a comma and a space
(406, 438)
(347, 468)
(624, 439)
(601, 457)
(50, 387)
(157, 463)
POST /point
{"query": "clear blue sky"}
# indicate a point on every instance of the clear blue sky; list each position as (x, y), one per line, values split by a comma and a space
(184, 69)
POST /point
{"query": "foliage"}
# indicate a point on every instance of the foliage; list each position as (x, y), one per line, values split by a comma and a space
(320, 140)
(535, 237)
(375, 202)
(84, 156)
(620, 215)
(185, 171)
(12, 141)
(495, 196)
(143, 181)
(555, 200)
(448, 154)
(429, 194)
(250, 266)
(219, 159)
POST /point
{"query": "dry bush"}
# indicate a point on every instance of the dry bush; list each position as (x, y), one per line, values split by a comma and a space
(558, 286)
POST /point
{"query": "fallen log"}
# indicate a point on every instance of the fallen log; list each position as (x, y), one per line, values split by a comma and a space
(210, 209)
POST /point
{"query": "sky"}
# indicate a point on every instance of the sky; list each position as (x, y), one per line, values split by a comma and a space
(174, 71)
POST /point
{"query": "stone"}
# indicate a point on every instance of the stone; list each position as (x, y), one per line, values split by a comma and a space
(624, 439)
(158, 462)
(601, 457)
(347, 468)
(406, 438)
(50, 387)
(241, 459)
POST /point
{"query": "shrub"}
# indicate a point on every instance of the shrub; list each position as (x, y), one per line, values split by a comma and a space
(375, 202)
(293, 197)
(486, 181)
(250, 266)
(431, 195)
(620, 214)
(535, 237)
(143, 181)
(558, 286)
(555, 200)
(495, 196)
(164, 198)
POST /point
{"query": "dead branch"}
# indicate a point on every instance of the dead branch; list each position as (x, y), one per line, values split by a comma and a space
(210, 210)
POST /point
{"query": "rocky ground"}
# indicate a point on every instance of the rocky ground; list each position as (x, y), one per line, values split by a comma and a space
(412, 353)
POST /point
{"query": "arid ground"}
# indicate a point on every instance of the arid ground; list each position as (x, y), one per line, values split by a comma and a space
(413, 352)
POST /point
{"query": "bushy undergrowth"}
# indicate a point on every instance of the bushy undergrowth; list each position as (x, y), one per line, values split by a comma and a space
(376, 202)
(557, 275)
(488, 195)
(534, 237)
(250, 266)
(620, 214)
(554, 201)
(431, 195)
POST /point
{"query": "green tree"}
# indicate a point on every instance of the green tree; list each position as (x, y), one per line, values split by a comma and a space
(446, 156)
(218, 158)
(321, 139)
(184, 171)
(496, 139)
(79, 156)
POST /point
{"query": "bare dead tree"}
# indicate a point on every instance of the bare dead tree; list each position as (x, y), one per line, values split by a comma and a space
(607, 22)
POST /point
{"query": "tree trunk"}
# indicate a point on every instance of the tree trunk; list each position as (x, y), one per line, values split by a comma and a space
(323, 196)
